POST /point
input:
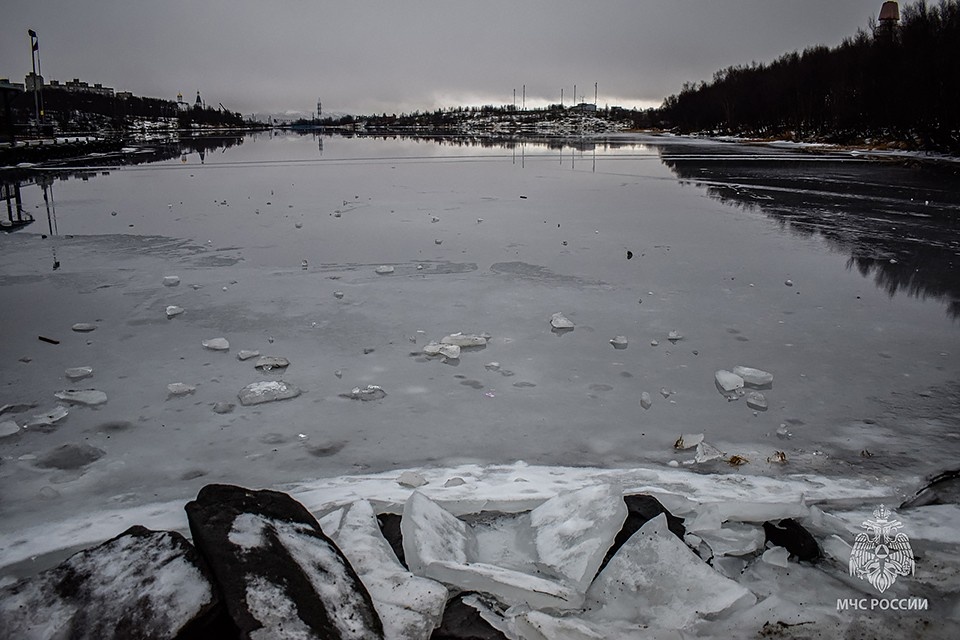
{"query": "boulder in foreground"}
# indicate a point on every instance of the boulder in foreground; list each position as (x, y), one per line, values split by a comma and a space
(142, 584)
(278, 574)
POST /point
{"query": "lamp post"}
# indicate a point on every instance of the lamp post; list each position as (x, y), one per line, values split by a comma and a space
(37, 78)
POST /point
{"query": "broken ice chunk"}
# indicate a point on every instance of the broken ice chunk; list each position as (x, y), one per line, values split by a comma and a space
(461, 340)
(338, 295)
(573, 531)
(754, 377)
(645, 401)
(8, 428)
(451, 351)
(514, 587)
(619, 342)
(171, 281)
(776, 556)
(46, 419)
(728, 382)
(688, 441)
(178, 389)
(384, 270)
(455, 481)
(431, 534)
(674, 336)
(559, 321)
(173, 311)
(269, 363)
(707, 452)
(733, 539)
(245, 354)
(432, 348)
(78, 373)
(409, 606)
(84, 327)
(655, 579)
(411, 479)
(756, 400)
(216, 344)
(86, 397)
(267, 391)
(370, 392)
(492, 366)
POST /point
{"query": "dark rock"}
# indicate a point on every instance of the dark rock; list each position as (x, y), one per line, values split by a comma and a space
(463, 622)
(142, 584)
(943, 488)
(789, 534)
(641, 509)
(278, 574)
(390, 528)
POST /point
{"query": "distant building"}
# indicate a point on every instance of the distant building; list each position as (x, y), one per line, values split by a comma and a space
(181, 105)
(586, 107)
(889, 22)
(124, 95)
(199, 103)
(6, 85)
(32, 82)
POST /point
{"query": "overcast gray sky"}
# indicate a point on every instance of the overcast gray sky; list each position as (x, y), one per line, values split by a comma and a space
(363, 56)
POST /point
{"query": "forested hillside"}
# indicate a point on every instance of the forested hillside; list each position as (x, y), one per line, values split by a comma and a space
(900, 87)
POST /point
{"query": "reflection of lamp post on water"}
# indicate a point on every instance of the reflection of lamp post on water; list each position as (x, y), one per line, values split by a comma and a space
(46, 183)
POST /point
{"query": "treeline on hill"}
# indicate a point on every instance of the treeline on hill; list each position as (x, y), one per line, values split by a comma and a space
(87, 111)
(453, 117)
(902, 86)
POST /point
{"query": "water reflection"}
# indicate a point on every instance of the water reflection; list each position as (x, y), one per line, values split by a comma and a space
(899, 224)
(13, 202)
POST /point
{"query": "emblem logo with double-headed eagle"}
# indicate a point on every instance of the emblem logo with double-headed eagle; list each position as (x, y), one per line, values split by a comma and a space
(883, 554)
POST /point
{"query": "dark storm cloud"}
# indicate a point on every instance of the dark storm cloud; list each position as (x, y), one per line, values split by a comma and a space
(363, 56)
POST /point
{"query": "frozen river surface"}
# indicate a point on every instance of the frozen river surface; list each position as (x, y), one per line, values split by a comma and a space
(838, 274)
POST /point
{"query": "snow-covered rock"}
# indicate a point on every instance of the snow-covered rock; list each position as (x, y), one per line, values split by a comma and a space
(143, 584)
(267, 391)
(85, 397)
(655, 579)
(279, 575)
(384, 270)
(173, 311)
